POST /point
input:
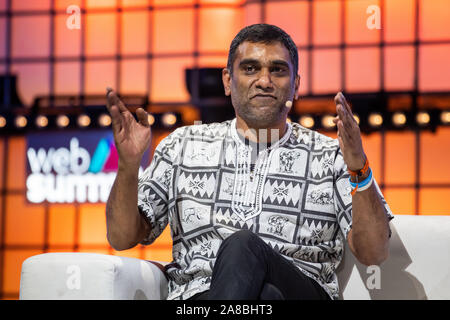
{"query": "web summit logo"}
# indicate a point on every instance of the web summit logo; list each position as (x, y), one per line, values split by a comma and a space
(67, 175)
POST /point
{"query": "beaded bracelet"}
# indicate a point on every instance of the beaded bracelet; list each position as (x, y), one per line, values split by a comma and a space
(363, 185)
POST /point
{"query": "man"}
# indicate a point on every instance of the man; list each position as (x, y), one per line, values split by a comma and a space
(258, 208)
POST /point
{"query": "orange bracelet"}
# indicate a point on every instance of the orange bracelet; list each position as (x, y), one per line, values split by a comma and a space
(360, 172)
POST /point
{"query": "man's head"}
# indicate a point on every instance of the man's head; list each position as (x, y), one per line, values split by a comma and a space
(263, 33)
(261, 75)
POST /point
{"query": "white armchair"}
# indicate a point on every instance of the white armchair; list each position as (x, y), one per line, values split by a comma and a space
(418, 268)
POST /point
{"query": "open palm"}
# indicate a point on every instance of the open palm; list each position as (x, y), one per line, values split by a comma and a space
(131, 137)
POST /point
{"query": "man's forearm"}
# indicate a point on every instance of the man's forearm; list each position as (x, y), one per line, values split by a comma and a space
(125, 226)
(370, 227)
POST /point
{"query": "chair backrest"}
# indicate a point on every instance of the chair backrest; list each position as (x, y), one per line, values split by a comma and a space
(418, 266)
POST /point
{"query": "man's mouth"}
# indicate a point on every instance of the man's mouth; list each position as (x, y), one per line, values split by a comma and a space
(264, 97)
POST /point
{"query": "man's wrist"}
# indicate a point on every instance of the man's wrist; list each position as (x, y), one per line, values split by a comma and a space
(360, 178)
(128, 167)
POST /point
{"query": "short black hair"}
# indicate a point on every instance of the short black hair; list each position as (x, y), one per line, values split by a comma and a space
(265, 33)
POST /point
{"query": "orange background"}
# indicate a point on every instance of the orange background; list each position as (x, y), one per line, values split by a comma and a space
(156, 40)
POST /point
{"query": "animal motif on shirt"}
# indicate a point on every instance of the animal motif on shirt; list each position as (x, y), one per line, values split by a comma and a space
(190, 213)
(203, 153)
(276, 224)
(287, 159)
(320, 197)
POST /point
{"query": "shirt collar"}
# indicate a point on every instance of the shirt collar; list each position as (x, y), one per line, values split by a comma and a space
(242, 141)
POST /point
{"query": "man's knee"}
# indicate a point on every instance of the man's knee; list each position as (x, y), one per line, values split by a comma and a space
(242, 239)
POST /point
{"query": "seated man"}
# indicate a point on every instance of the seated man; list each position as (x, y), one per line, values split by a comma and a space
(259, 208)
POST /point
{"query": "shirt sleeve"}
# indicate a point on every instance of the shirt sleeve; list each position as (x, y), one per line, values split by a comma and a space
(343, 197)
(154, 186)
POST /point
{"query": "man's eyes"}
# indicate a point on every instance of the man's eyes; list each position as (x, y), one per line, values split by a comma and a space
(275, 69)
(249, 69)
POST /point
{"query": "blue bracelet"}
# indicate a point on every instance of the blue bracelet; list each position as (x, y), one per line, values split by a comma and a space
(363, 183)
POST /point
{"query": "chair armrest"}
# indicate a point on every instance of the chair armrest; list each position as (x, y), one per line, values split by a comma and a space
(73, 276)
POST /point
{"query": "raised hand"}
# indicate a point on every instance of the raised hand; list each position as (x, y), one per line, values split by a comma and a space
(349, 135)
(132, 138)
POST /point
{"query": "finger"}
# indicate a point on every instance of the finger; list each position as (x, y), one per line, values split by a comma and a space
(341, 144)
(346, 105)
(340, 110)
(342, 131)
(116, 119)
(142, 116)
(336, 119)
(108, 101)
(113, 99)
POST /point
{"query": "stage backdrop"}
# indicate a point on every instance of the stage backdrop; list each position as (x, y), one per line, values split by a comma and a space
(143, 46)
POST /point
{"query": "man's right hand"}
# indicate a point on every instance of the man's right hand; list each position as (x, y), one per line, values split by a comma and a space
(132, 138)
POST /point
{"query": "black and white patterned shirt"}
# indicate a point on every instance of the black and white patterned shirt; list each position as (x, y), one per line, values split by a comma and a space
(205, 183)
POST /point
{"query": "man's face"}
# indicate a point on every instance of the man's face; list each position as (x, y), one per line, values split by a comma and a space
(263, 80)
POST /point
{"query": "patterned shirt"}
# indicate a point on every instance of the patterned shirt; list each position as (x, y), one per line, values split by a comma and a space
(204, 182)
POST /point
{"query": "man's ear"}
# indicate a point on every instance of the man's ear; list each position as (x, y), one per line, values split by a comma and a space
(297, 85)
(226, 79)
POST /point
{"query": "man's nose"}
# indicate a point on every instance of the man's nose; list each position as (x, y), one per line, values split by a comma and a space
(264, 81)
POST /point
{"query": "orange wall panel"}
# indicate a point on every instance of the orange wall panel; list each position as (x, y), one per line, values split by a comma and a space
(173, 30)
(94, 4)
(133, 76)
(99, 75)
(92, 225)
(292, 17)
(400, 158)
(399, 20)
(2, 161)
(398, 68)
(434, 23)
(400, 200)
(63, 83)
(33, 79)
(163, 255)
(326, 22)
(101, 38)
(434, 155)
(217, 28)
(67, 41)
(16, 163)
(31, 36)
(135, 32)
(356, 30)
(326, 71)
(372, 148)
(61, 225)
(433, 59)
(434, 201)
(362, 68)
(24, 222)
(168, 82)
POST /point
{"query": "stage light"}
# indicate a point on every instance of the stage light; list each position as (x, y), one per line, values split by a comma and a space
(423, 118)
(20, 122)
(2, 122)
(104, 120)
(151, 119)
(84, 120)
(169, 119)
(306, 121)
(327, 121)
(288, 120)
(375, 119)
(356, 117)
(41, 121)
(398, 119)
(445, 117)
(62, 121)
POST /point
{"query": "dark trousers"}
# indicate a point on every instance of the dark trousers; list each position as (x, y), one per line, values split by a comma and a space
(249, 269)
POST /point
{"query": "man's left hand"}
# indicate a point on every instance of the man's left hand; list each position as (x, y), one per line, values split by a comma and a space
(349, 135)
